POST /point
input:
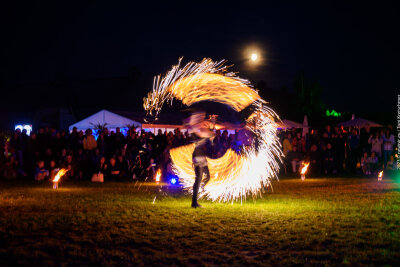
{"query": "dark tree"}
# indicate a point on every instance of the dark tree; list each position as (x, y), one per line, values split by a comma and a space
(308, 98)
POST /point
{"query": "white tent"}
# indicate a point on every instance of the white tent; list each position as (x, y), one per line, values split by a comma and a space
(104, 118)
(288, 124)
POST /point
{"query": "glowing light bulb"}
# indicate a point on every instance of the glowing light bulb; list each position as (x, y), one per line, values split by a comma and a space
(254, 57)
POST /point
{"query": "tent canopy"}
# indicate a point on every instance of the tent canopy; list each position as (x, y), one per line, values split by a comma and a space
(359, 122)
(288, 124)
(104, 117)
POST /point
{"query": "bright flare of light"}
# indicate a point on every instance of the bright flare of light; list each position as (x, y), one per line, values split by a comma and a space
(158, 176)
(380, 175)
(254, 57)
(235, 175)
(59, 174)
(305, 167)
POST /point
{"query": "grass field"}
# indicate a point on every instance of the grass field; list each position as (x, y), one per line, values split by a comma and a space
(319, 221)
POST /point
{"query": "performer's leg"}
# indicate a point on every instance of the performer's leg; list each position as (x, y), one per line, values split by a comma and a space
(199, 173)
(207, 179)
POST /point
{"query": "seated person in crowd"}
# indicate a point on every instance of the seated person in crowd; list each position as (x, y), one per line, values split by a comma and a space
(11, 168)
(373, 161)
(114, 171)
(53, 169)
(70, 166)
(101, 166)
(295, 158)
(99, 170)
(123, 165)
(391, 164)
(365, 165)
(41, 173)
(151, 169)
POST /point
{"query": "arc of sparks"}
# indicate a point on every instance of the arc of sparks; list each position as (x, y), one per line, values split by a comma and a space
(235, 175)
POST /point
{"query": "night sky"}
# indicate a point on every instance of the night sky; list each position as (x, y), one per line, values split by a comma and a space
(352, 49)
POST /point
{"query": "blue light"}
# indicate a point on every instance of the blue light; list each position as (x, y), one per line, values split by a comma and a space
(173, 180)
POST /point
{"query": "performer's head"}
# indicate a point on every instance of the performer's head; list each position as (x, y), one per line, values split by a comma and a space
(197, 118)
(200, 126)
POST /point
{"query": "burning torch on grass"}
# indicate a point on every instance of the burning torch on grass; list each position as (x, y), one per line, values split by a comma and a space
(158, 176)
(380, 175)
(58, 176)
(304, 170)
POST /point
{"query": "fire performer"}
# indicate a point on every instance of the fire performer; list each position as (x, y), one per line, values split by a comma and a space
(200, 127)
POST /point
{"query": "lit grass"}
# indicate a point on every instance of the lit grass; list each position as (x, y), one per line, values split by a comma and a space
(319, 221)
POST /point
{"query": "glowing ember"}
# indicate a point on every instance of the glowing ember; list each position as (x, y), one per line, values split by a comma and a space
(235, 175)
(158, 176)
(58, 176)
(380, 175)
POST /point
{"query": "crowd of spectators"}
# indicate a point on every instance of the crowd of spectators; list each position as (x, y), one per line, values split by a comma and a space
(339, 151)
(137, 155)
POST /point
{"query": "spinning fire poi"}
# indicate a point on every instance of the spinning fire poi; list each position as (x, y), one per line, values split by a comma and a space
(234, 175)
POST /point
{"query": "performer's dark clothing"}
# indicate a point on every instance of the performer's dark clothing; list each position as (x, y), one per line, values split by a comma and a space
(201, 151)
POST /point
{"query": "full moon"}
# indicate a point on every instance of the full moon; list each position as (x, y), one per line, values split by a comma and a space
(253, 57)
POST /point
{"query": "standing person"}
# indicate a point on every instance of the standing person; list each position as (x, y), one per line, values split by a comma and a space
(89, 142)
(376, 144)
(354, 143)
(16, 146)
(329, 159)
(388, 142)
(287, 145)
(101, 143)
(299, 142)
(201, 151)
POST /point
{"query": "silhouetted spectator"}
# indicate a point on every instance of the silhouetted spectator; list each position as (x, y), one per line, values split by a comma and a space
(314, 157)
(295, 158)
(329, 160)
(353, 145)
(388, 142)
